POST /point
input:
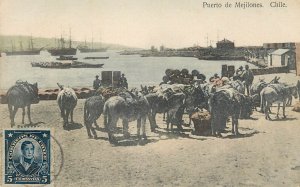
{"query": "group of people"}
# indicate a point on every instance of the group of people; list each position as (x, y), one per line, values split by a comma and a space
(122, 82)
(243, 75)
(246, 76)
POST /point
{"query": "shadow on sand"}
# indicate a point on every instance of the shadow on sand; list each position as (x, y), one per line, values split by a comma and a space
(132, 141)
(31, 125)
(164, 134)
(283, 119)
(241, 135)
(72, 126)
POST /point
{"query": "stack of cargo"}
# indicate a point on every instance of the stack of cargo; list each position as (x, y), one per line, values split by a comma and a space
(175, 76)
(109, 92)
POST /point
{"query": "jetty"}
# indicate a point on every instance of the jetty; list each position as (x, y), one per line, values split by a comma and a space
(99, 57)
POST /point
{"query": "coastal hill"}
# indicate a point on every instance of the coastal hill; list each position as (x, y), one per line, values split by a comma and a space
(19, 42)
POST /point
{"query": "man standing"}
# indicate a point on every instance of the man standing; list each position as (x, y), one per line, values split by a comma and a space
(123, 82)
(97, 83)
(27, 165)
(248, 77)
(239, 72)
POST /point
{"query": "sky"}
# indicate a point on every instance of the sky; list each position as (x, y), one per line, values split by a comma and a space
(142, 23)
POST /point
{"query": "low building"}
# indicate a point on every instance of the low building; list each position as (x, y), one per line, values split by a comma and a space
(286, 45)
(225, 44)
(282, 57)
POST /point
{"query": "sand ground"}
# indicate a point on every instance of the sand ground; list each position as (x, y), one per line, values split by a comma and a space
(266, 154)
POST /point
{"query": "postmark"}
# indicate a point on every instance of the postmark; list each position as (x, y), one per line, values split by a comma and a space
(27, 157)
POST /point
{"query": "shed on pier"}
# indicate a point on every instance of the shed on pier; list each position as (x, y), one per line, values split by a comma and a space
(282, 57)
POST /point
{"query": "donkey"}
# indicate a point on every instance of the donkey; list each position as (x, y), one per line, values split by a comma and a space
(21, 95)
(67, 100)
(93, 108)
(224, 103)
(277, 93)
(255, 90)
(128, 107)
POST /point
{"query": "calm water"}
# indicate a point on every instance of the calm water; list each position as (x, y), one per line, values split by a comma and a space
(138, 70)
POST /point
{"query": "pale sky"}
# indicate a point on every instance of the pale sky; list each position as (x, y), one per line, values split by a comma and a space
(142, 23)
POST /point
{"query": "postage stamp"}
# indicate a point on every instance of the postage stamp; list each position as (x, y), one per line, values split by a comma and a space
(27, 156)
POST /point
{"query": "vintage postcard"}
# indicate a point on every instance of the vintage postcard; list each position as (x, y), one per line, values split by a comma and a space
(150, 93)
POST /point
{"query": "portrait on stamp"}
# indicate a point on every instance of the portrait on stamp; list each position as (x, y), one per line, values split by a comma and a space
(26, 163)
(27, 157)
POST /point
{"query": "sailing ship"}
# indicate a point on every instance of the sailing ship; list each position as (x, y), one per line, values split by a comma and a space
(87, 49)
(61, 50)
(31, 50)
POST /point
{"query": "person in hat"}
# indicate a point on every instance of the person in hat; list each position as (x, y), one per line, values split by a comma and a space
(123, 82)
(247, 77)
(97, 83)
(216, 76)
(239, 72)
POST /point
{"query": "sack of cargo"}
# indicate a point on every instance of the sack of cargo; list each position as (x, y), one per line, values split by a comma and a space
(201, 121)
(296, 107)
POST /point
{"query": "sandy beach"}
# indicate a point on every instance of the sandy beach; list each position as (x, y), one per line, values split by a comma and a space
(266, 153)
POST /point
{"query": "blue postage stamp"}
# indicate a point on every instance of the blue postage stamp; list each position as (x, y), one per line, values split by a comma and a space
(27, 157)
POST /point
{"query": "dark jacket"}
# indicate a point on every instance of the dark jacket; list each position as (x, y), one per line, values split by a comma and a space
(34, 167)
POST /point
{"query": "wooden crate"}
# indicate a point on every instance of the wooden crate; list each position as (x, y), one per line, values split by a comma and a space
(106, 78)
(230, 71)
(116, 77)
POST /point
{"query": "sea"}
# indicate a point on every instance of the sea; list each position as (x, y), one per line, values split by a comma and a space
(138, 70)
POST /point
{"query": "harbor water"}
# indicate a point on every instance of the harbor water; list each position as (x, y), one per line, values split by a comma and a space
(138, 70)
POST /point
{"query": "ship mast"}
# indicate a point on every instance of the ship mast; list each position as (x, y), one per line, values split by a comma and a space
(70, 44)
(62, 42)
(92, 40)
(21, 46)
(31, 43)
(12, 46)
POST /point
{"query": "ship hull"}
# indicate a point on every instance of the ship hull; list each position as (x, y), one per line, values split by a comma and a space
(34, 52)
(92, 50)
(61, 52)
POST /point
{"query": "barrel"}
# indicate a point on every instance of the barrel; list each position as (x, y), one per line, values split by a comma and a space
(184, 71)
(165, 78)
(195, 72)
(168, 72)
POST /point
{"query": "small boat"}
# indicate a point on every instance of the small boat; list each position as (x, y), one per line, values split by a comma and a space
(35, 64)
(66, 58)
(77, 64)
(99, 57)
(54, 65)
